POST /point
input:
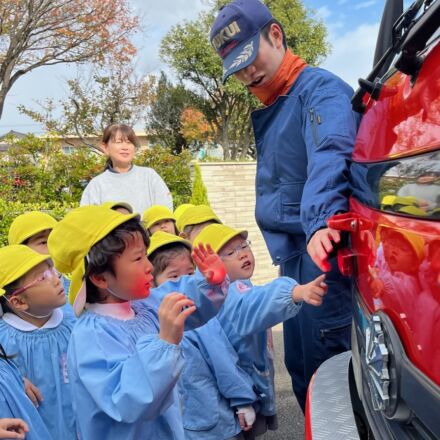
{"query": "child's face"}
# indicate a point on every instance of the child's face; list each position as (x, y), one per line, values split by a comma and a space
(399, 253)
(166, 225)
(238, 258)
(38, 242)
(178, 266)
(120, 150)
(132, 271)
(44, 294)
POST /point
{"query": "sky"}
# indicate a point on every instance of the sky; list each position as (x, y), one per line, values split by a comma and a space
(352, 31)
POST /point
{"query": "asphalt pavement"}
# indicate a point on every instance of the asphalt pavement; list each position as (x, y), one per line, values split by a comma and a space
(290, 416)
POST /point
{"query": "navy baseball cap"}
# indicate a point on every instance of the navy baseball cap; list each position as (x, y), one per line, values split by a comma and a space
(235, 34)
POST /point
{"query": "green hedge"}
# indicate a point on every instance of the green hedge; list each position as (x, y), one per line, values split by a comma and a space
(10, 210)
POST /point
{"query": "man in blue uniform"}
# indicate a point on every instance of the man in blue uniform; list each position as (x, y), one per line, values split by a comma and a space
(304, 138)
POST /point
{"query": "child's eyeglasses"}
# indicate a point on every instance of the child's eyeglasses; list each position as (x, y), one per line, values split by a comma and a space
(236, 251)
(47, 275)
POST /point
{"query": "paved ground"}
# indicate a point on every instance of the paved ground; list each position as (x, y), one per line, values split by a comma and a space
(290, 417)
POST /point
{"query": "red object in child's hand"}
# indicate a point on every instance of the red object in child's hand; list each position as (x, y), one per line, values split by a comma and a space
(209, 263)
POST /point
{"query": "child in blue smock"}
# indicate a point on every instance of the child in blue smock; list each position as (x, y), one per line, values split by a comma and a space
(124, 356)
(21, 419)
(34, 329)
(250, 311)
(213, 388)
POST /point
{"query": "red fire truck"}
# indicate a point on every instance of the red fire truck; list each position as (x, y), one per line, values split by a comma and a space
(388, 385)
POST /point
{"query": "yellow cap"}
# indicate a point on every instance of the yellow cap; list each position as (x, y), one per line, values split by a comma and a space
(155, 214)
(15, 261)
(160, 239)
(76, 283)
(217, 235)
(181, 209)
(413, 210)
(73, 237)
(28, 224)
(113, 205)
(195, 215)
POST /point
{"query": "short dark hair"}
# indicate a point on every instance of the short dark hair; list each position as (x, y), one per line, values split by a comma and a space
(161, 257)
(101, 256)
(266, 30)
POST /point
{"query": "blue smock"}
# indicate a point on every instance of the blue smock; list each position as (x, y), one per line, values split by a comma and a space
(212, 385)
(42, 358)
(123, 378)
(15, 404)
(207, 298)
(245, 317)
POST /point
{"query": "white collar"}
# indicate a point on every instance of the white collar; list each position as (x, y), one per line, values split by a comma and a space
(122, 311)
(20, 324)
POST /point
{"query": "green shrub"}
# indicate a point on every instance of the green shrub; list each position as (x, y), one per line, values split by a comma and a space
(199, 191)
(10, 210)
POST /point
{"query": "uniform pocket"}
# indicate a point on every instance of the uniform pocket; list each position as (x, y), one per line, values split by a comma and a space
(331, 337)
(290, 207)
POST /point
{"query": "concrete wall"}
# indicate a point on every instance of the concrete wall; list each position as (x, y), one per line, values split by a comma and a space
(231, 193)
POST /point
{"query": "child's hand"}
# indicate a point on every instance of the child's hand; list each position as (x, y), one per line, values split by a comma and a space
(173, 311)
(311, 293)
(13, 428)
(246, 417)
(321, 244)
(209, 263)
(33, 392)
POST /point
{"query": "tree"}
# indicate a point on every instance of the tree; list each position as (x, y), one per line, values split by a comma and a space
(186, 48)
(37, 33)
(195, 128)
(167, 104)
(114, 94)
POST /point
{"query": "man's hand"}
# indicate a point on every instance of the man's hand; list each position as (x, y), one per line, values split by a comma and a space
(13, 428)
(32, 392)
(311, 293)
(321, 244)
(209, 263)
(173, 311)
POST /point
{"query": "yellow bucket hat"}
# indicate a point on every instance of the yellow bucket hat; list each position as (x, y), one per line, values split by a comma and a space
(161, 238)
(15, 261)
(113, 205)
(195, 215)
(155, 214)
(73, 237)
(28, 224)
(181, 209)
(217, 235)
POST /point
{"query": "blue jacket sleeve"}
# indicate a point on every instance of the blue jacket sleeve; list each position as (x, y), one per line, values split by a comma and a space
(329, 130)
(253, 309)
(207, 298)
(127, 387)
(233, 383)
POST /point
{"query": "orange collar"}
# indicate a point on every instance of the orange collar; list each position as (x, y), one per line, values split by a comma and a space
(291, 66)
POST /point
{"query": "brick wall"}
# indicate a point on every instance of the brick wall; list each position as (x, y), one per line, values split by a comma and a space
(231, 193)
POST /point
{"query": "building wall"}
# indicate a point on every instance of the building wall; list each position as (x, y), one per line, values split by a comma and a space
(231, 193)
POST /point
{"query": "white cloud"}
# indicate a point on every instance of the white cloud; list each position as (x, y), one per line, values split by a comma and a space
(352, 53)
(364, 5)
(323, 12)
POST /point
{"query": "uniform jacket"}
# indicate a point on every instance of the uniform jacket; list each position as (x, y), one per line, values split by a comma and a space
(304, 142)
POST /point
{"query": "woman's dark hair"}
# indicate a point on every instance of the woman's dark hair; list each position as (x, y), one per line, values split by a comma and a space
(110, 133)
(266, 30)
(101, 256)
